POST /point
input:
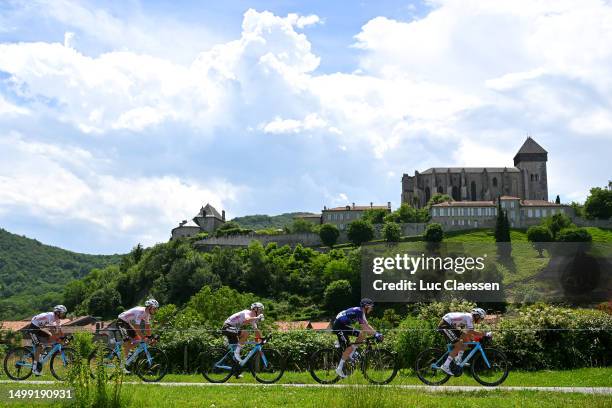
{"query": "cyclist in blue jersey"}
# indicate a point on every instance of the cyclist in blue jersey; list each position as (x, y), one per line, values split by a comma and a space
(343, 329)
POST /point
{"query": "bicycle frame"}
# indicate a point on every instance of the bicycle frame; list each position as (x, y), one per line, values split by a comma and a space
(476, 349)
(53, 349)
(142, 347)
(232, 347)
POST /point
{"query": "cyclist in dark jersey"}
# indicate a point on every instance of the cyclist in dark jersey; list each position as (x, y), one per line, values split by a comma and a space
(343, 329)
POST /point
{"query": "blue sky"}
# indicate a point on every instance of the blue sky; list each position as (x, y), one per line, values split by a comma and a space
(119, 119)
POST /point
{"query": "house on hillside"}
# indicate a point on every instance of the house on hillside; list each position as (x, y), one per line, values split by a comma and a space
(343, 216)
(207, 220)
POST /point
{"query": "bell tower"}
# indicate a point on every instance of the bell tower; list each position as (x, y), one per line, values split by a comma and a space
(531, 161)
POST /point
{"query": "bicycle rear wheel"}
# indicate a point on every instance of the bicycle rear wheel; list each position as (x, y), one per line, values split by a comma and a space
(424, 366)
(217, 365)
(151, 369)
(61, 363)
(379, 366)
(493, 374)
(323, 365)
(18, 363)
(106, 364)
(267, 366)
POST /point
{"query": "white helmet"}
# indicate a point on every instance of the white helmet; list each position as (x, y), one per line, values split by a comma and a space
(479, 312)
(257, 305)
(60, 309)
(153, 303)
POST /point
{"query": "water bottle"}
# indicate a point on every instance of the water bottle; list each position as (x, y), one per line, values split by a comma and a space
(337, 344)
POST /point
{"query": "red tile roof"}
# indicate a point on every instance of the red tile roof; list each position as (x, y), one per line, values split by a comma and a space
(465, 204)
(509, 198)
(532, 203)
(286, 326)
(320, 325)
(14, 325)
(358, 208)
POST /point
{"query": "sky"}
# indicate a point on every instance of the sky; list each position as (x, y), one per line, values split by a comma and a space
(119, 119)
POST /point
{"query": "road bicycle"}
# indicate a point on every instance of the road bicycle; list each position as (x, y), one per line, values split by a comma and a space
(267, 365)
(378, 365)
(147, 362)
(19, 361)
(488, 366)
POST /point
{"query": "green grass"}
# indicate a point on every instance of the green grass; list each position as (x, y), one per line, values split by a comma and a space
(380, 397)
(600, 234)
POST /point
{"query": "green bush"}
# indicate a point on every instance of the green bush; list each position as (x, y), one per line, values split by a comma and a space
(413, 336)
(574, 235)
(329, 234)
(360, 231)
(547, 337)
(434, 233)
(392, 232)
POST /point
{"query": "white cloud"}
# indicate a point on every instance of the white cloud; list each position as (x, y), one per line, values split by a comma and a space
(8, 109)
(59, 184)
(310, 122)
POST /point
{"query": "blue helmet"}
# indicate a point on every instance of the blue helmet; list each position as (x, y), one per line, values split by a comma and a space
(366, 302)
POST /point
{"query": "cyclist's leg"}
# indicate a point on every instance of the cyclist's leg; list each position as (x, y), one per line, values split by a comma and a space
(234, 338)
(453, 336)
(127, 334)
(40, 338)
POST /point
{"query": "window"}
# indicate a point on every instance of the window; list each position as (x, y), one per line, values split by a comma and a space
(537, 213)
(544, 212)
(530, 213)
(494, 181)
(512, 204)
(478, 212)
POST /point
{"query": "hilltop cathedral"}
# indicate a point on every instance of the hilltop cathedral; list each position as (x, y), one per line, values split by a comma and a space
(526, 180)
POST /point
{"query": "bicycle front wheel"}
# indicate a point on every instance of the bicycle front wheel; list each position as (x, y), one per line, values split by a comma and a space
(217, 365)
(427, 366)
(62, 362)
(152, 367)
(379, 366)
(18, 363)
(491, 374)
(323, 365)
(103, 362)
(267, 366)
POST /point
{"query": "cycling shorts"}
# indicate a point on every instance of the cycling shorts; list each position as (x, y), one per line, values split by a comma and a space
(343, 331)
(451, 333)
(232, 333)
(37, 334)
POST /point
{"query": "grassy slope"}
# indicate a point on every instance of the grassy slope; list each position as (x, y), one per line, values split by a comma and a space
(32, 272)
(260, 221)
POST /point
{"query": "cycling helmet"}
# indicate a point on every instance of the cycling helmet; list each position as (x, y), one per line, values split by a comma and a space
(479, 312)
(60, 309)
(257, 305)
(366, 302)
(152, 302)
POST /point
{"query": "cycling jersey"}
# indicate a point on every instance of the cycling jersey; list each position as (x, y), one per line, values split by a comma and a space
(46, 320)
(459, 320)
(136, 314)
(352, 315)
(238, 319)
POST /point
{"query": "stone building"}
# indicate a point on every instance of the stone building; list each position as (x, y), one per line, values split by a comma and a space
(342, 216)
(482, 214)
(527, 180)
(207, 220)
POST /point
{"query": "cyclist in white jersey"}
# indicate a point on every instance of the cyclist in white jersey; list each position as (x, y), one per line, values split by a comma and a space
(458, 328)
(44, 328)
(232, 328)
(129, 323)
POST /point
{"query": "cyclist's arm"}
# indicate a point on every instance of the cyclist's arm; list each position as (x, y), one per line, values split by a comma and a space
(136, 328)
(147, 329)
(366, 328)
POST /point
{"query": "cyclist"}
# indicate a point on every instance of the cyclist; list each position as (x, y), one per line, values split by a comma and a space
(129, 323)
(39, 333)
(452, 328)
(232, 327)
(343, 329)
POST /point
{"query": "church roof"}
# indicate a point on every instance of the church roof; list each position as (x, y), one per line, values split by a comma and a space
(208, 211)
(531, 146)
(471, 170)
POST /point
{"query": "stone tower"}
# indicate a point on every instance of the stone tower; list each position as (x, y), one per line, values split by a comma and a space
(531, 161)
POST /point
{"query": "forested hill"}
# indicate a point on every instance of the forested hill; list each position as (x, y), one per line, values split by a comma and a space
(33, 275)
(261, 221)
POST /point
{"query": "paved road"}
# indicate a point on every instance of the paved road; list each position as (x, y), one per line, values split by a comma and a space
(450, 388)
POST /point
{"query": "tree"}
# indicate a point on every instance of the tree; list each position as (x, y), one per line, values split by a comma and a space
(556, 223)
(437, 199)
(337, 295)
(360, 231)
(329, 234)
(392, 232)
(578, 209)
(137, 253)
(434, 233)
(300, 225)
(104, 303)
(374, 215)
(538, 234)
(74, 294)
(502, 229)
(405, 214)
(599, 204)
(558, 200)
